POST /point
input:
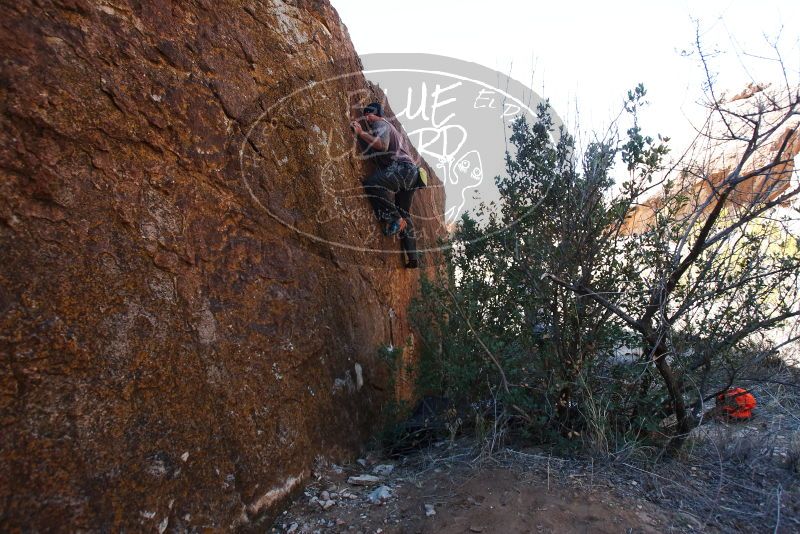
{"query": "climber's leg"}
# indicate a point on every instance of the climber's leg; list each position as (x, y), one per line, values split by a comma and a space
(408, 237)
(379, 187)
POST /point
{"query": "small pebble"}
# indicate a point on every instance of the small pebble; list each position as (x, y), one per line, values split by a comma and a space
(363, 480)
(380, 495)
(383, 469)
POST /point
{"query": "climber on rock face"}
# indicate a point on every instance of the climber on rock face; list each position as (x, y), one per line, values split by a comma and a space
(395, 174)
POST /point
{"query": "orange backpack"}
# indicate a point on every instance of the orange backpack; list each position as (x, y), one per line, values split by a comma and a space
(737, 403)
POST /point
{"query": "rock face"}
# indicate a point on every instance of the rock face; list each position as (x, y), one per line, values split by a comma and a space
(192, 290)
(719, 156)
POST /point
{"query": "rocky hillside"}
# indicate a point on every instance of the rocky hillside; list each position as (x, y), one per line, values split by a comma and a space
(716, 155)
(193, 292)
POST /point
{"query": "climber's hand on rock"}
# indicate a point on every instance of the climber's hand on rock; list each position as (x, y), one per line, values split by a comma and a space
(356, 127)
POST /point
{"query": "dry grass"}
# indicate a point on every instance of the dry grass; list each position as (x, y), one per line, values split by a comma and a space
(728, 477)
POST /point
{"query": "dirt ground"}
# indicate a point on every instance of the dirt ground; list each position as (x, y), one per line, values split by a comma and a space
(729, 477)
(487, 499)
(501, 500)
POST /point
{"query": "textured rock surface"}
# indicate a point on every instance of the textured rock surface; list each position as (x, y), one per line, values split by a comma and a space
(183, 308)
(718, 156)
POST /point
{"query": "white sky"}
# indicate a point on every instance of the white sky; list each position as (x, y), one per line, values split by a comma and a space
(585, 56)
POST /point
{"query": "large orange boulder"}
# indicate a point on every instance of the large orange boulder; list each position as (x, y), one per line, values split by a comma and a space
(191, 307)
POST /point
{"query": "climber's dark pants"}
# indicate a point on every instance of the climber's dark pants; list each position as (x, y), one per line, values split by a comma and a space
(400, 180)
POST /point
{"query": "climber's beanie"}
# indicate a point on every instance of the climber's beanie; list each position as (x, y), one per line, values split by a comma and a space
(375, 108)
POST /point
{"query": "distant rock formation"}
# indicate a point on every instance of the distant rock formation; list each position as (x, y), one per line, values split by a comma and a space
(192, 292)
(713, 161)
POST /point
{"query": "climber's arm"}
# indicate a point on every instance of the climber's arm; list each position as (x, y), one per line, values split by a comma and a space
(375, 142)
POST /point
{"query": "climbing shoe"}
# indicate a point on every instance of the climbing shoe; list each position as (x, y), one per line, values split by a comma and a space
(412, 264)
(396, 226)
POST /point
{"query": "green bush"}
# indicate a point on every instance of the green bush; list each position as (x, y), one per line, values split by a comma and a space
(540, 291)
